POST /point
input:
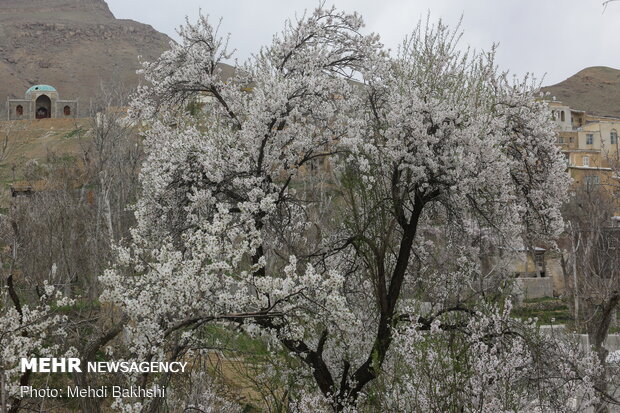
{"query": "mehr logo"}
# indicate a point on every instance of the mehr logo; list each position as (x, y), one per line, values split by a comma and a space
(50, 365)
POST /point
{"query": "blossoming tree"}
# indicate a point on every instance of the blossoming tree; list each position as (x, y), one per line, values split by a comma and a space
(338, 201)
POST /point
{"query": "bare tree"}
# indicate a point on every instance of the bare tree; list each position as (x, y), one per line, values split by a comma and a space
(112, 154)
(593, 275)
(10, 140)
(63, 232)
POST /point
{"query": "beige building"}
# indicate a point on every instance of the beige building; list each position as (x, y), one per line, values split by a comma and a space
(41, 102)
(590, 145)
(538, 274)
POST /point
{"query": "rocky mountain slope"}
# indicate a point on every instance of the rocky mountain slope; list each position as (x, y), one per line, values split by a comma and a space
(73, 45)
(593, 89)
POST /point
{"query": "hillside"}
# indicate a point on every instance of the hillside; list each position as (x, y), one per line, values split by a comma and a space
(40, 140)
(74, 45)
(593, 89)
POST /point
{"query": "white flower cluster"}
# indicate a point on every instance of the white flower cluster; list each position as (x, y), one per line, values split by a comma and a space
(493, 363)
(27, 331)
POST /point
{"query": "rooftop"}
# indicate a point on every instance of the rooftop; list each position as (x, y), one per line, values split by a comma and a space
(41, 88)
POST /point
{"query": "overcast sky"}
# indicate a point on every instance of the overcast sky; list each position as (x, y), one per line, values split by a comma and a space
(554, 38)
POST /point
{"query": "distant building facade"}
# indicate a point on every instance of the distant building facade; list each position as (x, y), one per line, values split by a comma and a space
(591, 147)
(591, 150)
(41, 102)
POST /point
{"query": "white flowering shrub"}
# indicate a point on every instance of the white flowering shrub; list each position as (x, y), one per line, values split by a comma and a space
(28, 331)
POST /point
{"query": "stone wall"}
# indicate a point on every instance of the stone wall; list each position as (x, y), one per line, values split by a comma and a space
(612, 343)
(533, 287)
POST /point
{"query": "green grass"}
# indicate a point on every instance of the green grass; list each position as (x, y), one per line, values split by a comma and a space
(547, 310)
(239, 341)
(74, 133)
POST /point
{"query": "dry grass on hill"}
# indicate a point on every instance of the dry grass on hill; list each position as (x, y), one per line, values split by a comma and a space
(22, 141)
(594, 89)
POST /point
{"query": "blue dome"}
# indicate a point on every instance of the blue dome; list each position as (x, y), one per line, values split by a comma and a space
(41, 88)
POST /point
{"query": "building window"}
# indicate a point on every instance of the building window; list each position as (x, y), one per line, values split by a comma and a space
(585, 161)
(591, 181)
(572, 139)
(67, 111)
(613, 137)
(560, 139)
(539, 260)
(562, 116)
(589, 139)
(19, 110)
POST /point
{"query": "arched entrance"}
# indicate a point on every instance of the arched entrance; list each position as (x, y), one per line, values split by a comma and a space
(44, 107)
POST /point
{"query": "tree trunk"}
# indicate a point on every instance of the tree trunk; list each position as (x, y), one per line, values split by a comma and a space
(87, 404)
(598, 330)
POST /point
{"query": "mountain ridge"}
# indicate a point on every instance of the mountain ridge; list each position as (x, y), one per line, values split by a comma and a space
(74, 45)
(29, 9)
(595, 89)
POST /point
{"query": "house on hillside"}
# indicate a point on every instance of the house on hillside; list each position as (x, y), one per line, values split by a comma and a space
(591, 148)
(537, 271)
(41, 102)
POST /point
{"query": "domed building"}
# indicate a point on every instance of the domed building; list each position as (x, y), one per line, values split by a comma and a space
(41, 102)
